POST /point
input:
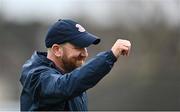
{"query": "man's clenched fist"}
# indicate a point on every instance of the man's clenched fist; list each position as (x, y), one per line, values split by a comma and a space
(121, 47)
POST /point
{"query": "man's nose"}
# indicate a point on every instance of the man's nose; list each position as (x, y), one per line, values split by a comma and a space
(84, 52)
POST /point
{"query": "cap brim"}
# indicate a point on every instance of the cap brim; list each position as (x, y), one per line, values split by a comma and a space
(85, 40)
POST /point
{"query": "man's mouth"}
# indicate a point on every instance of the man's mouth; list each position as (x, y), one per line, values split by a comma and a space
(80, 61)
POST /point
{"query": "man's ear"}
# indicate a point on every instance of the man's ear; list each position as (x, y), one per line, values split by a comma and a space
(57, 50)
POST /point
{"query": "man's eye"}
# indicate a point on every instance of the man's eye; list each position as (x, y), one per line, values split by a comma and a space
(77, 48)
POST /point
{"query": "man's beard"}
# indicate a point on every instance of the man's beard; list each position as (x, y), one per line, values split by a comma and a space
(71, 64)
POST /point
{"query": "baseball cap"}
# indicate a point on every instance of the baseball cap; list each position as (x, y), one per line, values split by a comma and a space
(66, 30)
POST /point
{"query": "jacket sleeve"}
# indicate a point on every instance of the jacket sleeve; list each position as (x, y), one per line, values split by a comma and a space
(79, 80)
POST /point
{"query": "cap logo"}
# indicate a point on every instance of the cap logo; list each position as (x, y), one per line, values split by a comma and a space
(80, 28)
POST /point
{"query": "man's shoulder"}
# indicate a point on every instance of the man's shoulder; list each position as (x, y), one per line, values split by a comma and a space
(44, 70)
(39, 71)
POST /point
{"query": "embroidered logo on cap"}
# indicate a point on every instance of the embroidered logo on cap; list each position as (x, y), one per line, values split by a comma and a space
(80, 28)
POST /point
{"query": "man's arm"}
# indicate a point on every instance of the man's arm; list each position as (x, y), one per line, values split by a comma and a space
(79, 80)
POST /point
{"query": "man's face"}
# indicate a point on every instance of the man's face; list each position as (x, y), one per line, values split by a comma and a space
(72, 56)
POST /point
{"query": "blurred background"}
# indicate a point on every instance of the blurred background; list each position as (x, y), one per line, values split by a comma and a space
(149, 79)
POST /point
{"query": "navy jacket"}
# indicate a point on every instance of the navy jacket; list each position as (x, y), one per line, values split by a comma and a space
(45, 87)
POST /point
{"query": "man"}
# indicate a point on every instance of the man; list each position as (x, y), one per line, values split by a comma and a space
(58, 79)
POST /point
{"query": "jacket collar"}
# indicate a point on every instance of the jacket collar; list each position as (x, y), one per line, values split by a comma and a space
(41, 57)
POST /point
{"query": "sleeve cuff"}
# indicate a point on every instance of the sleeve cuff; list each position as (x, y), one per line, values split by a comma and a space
(112, 56)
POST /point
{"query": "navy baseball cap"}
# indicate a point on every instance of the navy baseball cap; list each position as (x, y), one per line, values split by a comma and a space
(65, 30)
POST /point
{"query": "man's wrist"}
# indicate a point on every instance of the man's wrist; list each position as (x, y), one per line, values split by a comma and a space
(115, 53)
(113, 56)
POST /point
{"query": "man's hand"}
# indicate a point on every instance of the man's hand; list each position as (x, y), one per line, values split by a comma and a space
(121, 47)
